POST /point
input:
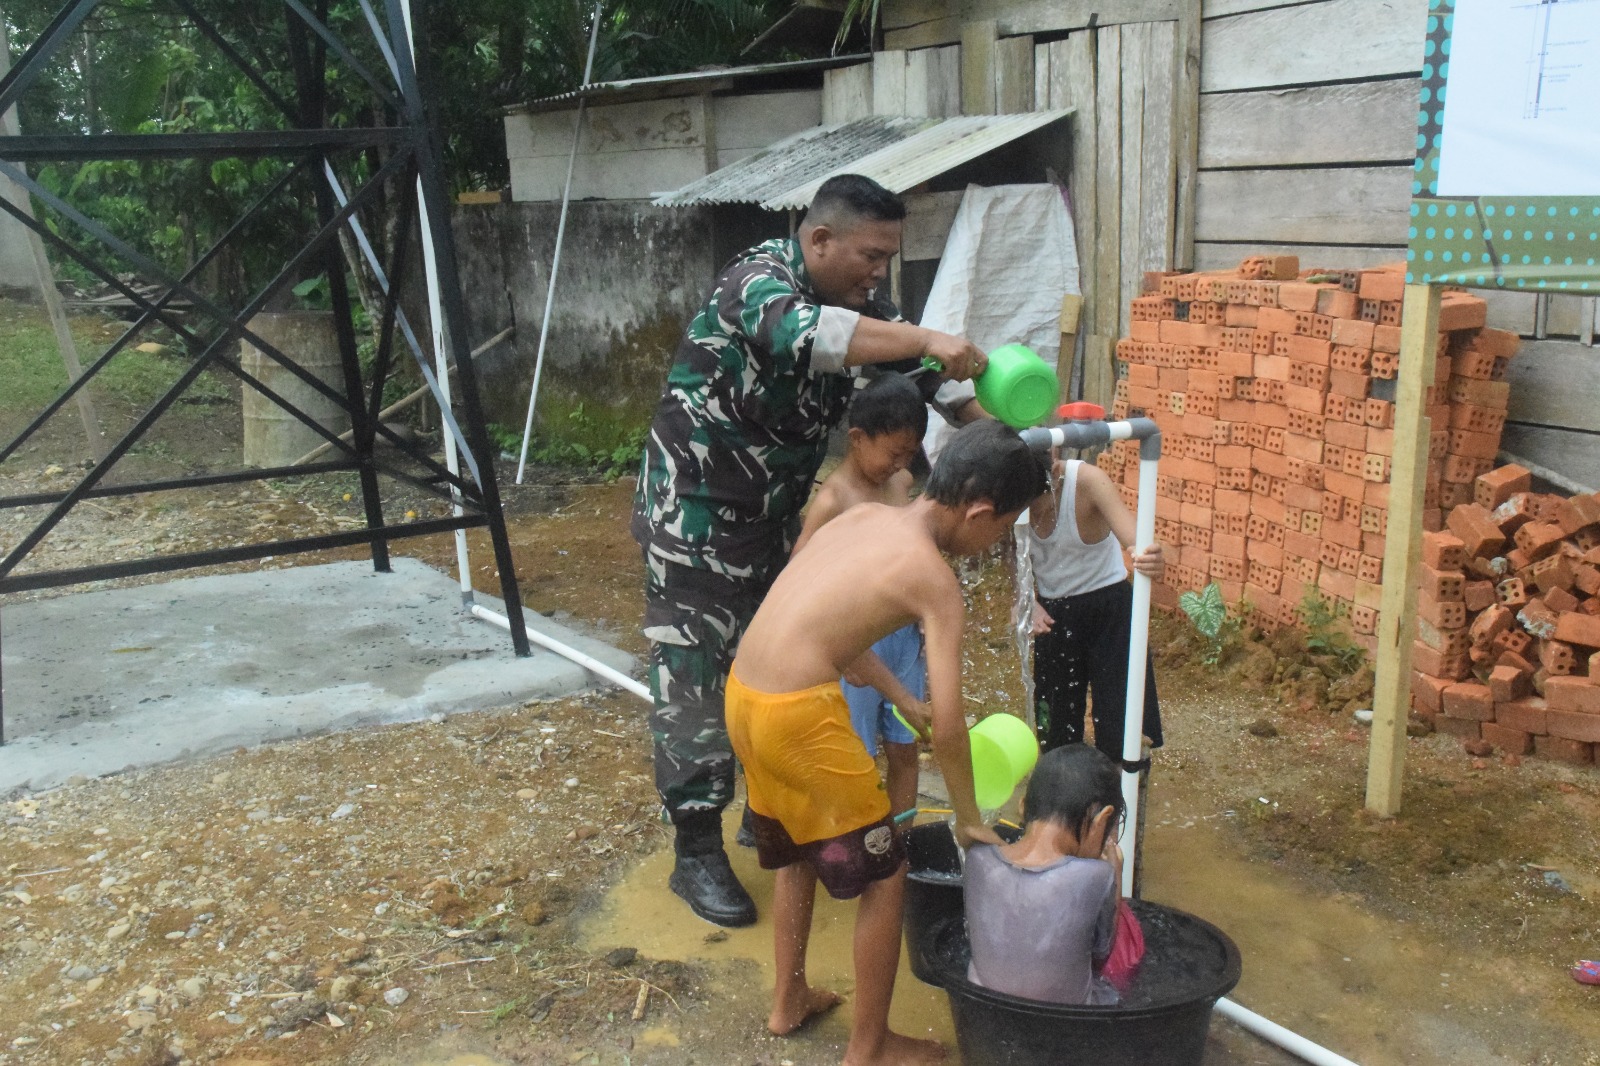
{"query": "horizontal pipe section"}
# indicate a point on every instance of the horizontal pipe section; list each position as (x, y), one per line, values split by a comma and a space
(588, 662)
(1274, 1033)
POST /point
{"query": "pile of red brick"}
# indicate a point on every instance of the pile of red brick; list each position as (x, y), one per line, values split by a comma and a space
(1275, 394)
(1508, 621)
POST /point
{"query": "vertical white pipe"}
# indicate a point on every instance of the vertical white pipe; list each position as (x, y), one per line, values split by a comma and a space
(430, 263)
(1138, 650)
(555, 260)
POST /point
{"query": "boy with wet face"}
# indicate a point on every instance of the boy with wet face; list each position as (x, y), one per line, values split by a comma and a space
(817, 807)
(887, 421)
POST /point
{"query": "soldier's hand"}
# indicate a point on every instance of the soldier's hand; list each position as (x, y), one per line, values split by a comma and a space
(958, 358)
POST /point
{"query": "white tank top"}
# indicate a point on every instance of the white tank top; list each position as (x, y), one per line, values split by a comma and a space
(1063, 565)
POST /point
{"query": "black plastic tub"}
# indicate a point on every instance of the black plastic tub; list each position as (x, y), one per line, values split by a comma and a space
(1162, 1020)
(933, 888)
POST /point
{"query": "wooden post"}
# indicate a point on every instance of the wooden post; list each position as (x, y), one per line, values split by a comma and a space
(48, 292)
(1071, 313)
(1419, 340)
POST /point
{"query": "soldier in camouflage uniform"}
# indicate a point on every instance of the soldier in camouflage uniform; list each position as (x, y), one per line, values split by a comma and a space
(764, 372)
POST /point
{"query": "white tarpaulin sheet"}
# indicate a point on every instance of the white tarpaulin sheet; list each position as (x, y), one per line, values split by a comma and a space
(1010, 258)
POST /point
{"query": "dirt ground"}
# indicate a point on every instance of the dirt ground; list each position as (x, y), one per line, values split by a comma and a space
(430, 893)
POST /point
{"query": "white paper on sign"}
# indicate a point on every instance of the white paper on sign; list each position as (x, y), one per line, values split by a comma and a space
(1009, 259)
(1520, 109)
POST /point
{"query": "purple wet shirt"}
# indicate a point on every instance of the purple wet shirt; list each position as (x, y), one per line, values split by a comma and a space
(1037, 931)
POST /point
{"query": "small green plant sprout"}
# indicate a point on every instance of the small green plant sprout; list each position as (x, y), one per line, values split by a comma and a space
(1325, 632)
(504, 1011)
(1209, 616)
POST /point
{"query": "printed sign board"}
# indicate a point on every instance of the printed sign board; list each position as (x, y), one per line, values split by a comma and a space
(1506, 192)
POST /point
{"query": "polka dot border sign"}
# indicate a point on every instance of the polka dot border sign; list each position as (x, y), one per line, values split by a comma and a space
(1535, 243)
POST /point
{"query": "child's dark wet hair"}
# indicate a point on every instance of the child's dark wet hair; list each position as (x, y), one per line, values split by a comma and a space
(1069, 786)
(891, 403)
(987, 460)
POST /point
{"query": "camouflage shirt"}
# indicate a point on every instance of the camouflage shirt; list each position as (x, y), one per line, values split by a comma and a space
(743, 423)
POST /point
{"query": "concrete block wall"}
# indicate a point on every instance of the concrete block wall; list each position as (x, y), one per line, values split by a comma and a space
(636, 150)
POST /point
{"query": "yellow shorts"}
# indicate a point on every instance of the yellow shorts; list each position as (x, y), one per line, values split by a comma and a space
(804, 765)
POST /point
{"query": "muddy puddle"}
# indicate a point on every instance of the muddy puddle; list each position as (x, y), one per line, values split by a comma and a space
(1365, 986)
(1370, 988)
(641, 913)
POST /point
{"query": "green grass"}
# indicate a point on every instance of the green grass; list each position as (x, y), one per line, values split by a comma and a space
(31, 368)
(574, 434)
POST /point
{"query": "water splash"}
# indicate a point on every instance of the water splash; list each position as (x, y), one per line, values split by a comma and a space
(1022, 614)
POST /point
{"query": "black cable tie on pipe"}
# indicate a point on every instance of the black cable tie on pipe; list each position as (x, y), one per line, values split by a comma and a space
(1138, 767)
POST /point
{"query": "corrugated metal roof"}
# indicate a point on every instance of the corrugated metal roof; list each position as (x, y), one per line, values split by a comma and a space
(685, 83)
(813, 153)
(924, 154)
(898, 153)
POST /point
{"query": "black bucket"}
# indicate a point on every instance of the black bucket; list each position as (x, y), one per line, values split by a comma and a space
(1162, 1020)
(933, 889)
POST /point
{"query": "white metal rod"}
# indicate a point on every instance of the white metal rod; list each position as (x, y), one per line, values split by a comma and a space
(593, 665)
(430, 261)
(555, 260)
(48, 292)
(1274, 1033)
(1138, 653)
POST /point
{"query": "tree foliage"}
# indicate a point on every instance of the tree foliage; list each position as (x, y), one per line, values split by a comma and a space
(146, 66)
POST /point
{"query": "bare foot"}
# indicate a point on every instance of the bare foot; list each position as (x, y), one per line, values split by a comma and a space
(897, 1050)
(788, 1016)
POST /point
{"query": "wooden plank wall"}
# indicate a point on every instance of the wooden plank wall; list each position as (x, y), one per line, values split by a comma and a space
(1130, 72)
(1121, 82)
(1307, 128)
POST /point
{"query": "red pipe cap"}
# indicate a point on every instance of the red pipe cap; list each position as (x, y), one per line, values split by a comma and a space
(1082, 411)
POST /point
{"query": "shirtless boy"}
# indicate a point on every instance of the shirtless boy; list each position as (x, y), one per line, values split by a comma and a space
(818, 810)
(887, 421)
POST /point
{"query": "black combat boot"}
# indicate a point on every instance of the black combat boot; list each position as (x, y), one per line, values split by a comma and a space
(702, 876)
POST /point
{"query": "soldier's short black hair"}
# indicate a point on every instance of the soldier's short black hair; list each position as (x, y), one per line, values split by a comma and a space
(847, 198)
(891, 403)
(987, 460)
(1070, 785)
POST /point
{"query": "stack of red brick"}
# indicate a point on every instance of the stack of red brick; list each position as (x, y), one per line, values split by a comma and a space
(1508, 621)
(1275, 394)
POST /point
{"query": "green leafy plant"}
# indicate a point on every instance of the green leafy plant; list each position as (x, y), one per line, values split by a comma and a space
(584, 441)
(1209, 615)
(857, 12)
(313, 294)
(505, 438)
(1325, 631)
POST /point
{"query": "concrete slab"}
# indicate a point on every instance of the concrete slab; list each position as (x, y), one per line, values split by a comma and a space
(98, 681)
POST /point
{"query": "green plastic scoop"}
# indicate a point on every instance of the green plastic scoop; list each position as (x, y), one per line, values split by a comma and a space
(1017, 386)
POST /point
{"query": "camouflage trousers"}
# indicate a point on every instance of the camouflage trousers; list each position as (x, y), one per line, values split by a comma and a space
(693, 620)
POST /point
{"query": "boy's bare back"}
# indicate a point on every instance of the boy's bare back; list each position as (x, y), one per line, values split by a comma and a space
(866, 573)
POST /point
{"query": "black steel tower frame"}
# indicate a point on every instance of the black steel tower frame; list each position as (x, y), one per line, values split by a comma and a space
(412, 173)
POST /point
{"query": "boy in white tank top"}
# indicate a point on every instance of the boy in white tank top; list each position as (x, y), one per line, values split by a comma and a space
(1083, 609)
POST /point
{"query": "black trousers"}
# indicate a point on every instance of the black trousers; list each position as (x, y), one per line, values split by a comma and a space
(1085, 655)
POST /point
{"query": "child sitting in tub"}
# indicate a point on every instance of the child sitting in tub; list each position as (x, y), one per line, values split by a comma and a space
(1044, 914)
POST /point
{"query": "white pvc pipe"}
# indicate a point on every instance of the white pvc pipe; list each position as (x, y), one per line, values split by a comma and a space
(1138, 652)
(1274, 1033)
(555, 261)
(430, 261)
(588, 662)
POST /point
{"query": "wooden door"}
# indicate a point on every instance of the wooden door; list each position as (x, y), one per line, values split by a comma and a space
(1131, 74)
